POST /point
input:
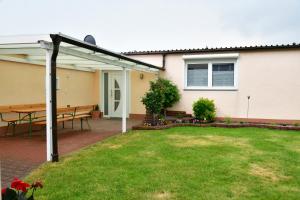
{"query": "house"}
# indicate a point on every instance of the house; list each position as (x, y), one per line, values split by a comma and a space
(256, 83)
(251, 83)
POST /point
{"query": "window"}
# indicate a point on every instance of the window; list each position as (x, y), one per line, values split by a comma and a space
(206, 73)
(223, 74)
(197, 75)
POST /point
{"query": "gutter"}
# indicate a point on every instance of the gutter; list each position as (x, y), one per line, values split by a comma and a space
(164, 61)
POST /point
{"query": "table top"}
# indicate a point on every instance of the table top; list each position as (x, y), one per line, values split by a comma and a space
(29, 110)
(32, 110)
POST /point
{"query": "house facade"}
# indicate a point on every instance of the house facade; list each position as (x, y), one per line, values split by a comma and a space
(258, 84)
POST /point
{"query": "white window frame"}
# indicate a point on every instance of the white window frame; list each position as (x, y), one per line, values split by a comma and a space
(211, 59)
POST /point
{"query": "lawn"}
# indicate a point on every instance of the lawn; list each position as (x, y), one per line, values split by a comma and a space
(180, 163)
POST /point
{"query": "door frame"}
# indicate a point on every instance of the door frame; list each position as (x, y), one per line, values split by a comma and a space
(101, 82)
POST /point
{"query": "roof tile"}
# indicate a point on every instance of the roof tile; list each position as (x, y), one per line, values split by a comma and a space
(215, 49)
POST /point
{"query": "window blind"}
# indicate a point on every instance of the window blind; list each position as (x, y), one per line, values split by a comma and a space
(197, 75)
(223, 74)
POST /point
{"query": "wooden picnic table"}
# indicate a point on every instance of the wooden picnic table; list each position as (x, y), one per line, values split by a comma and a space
(28, 112)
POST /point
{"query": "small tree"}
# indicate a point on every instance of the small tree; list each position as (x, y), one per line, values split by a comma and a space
(169, 91)
(161, 95)
(153, 103)
(204, 109)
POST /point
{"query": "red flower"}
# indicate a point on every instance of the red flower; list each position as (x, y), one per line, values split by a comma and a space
(3, 191)
(15, 183)
(19, 185)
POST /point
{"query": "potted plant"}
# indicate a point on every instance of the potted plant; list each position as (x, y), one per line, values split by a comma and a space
(20, 190)
(96, 112)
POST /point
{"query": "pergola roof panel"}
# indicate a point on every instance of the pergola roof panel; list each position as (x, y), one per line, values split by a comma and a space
(78, 55)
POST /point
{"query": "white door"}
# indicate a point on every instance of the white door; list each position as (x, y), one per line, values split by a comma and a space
(113, 94)
(116, 94)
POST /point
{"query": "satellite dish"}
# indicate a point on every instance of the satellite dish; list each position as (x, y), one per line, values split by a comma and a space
(90, 39)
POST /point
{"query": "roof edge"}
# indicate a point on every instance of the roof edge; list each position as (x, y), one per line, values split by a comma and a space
(217, 49)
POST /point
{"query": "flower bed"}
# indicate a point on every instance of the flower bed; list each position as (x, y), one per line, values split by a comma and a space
(218, 124)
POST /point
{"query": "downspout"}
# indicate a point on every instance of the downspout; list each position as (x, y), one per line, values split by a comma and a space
(56, 42)
(163, 61)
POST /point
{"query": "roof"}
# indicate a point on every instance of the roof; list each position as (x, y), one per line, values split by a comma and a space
(217, 49)
(73, 53)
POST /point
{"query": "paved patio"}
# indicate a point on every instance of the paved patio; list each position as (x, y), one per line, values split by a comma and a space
(20, 155)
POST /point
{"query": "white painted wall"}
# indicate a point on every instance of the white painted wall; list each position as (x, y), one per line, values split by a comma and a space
(271, 78)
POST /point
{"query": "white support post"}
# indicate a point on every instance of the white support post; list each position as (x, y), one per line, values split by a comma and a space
(124, 98)
(48, 106)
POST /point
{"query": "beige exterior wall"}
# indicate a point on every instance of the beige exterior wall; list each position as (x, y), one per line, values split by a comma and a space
(138, 88)
(25, 84)
(271, 78)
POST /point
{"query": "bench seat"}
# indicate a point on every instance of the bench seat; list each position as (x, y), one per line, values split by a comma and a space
(11, 120)
(82, 116)
(58, 121)
(69, 114)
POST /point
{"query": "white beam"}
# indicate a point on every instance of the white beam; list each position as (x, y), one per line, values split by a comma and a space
(60, 57)
(41, 63)
(100, 67)
(124, 101)
(49, 148)
(26, 51)
(77, 62)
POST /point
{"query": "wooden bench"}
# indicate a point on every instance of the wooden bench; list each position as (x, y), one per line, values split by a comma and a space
(14, 121)
(63, 115)
(84, 113)
(70, 114)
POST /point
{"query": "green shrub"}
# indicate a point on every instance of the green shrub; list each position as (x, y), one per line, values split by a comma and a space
(204, 109)
(169, 91)
(228, 120)
(296, 124)
(161, 95)
(153, 102)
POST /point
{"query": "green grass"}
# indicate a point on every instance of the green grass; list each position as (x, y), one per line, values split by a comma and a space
(179, 163)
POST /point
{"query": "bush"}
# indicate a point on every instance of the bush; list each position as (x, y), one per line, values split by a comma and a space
(228, 120)
(204, 109)
(161, 95)
(169, 91)
(153, 102)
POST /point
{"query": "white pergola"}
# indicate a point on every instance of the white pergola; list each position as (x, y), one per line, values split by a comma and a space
(59, 50)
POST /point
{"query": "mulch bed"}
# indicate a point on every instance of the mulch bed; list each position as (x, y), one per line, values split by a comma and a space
(270, 126)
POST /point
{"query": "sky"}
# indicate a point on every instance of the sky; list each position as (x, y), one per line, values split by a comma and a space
(128, 25)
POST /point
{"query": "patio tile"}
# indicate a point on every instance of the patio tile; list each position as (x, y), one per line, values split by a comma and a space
(20, 155)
